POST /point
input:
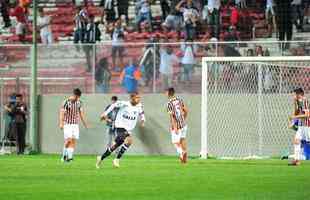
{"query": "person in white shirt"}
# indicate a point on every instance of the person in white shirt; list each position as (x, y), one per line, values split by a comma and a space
(188, 61)
(190, 17)
(167, 60)
(44, 24)
(144, 13)
(126, 120)
(118, 36)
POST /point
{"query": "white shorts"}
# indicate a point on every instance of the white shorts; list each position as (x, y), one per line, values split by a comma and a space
(177, 136)
(71, 131)
(303, 133)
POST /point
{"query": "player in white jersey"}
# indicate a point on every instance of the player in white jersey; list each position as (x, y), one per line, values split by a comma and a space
(126, 120)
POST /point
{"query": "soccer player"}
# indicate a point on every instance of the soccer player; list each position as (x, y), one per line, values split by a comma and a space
(70, 114)
(301, 107)
(178, 113)
(111, 133)
(126, 120)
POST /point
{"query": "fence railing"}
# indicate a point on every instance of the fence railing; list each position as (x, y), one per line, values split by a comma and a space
(101, 65)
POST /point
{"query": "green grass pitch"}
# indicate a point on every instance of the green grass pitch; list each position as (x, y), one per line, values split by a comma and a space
(44, 177)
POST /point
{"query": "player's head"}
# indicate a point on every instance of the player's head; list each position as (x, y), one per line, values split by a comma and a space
(135, 98)
(77, 94)
(40, 11)
(114, 99)
(299, 93)
(170, 92)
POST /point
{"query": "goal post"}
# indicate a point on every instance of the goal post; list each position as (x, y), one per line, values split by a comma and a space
(245, 104)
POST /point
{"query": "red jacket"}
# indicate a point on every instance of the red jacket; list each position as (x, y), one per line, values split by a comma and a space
(20, 13)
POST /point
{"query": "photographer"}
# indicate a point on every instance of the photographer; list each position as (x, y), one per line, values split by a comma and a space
(17, 110)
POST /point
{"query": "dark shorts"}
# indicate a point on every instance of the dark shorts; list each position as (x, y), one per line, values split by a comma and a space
(117, 50)
(121, 135)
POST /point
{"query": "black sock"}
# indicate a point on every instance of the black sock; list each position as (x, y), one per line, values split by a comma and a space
(106, 153)
(122, 151)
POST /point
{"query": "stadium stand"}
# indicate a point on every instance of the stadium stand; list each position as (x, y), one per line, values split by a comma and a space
(237, 23)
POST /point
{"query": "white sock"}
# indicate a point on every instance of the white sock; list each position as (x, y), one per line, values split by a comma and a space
(179, 149)
(64, 152)
(70, 152)
(297, 151)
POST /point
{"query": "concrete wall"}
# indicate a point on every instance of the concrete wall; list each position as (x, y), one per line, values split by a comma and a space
(236, 125)
(153, 139)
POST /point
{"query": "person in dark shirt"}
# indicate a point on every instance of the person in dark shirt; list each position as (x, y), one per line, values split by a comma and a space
(284, 21)
(111, 133)
(18, 112)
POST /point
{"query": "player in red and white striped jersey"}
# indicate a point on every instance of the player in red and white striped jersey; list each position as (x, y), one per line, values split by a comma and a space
(301, 112)
(178, 113)
(71, 113)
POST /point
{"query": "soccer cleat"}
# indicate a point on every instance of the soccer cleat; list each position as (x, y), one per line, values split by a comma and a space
(64, 159)
(294, 163)
(181, 158)
(184, 157)
(116, 163)
(98, 162)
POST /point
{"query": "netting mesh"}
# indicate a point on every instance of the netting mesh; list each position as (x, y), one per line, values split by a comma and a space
(248, 104)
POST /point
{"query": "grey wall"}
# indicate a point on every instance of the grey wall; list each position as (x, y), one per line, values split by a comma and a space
(154, 138)
(233, 125)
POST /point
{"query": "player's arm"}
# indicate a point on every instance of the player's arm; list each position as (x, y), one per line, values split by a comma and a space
(61, 117)
(173, 122)
(83, 118)
(104, 115)
(142, 118)
(301, 116)
(185, 110)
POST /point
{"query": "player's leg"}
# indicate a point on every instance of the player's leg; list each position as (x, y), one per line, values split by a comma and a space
(183, 133)
(67, 141)
(119, 140)
(114, 135)
(184, 149)
(65, 150)
(297, 147)
(128, 141)
(109, 137)
(175, 139)
(73, 140)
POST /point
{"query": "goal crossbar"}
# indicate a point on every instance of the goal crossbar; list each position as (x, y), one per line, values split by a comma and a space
(256, 59)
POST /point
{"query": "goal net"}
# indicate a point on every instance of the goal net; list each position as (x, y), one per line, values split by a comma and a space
(246, 102)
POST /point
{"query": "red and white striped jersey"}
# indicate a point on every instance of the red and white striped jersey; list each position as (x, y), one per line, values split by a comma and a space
(302, 107)
(71, 111)
(175, 108)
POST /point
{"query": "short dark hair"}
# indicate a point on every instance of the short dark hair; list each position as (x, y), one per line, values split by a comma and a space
(114, 98)
(77, 92)
(133, 94)
(171, 91)
(19, 96)
(299, 91)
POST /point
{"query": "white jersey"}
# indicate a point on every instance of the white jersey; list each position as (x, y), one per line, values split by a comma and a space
(127, 115)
